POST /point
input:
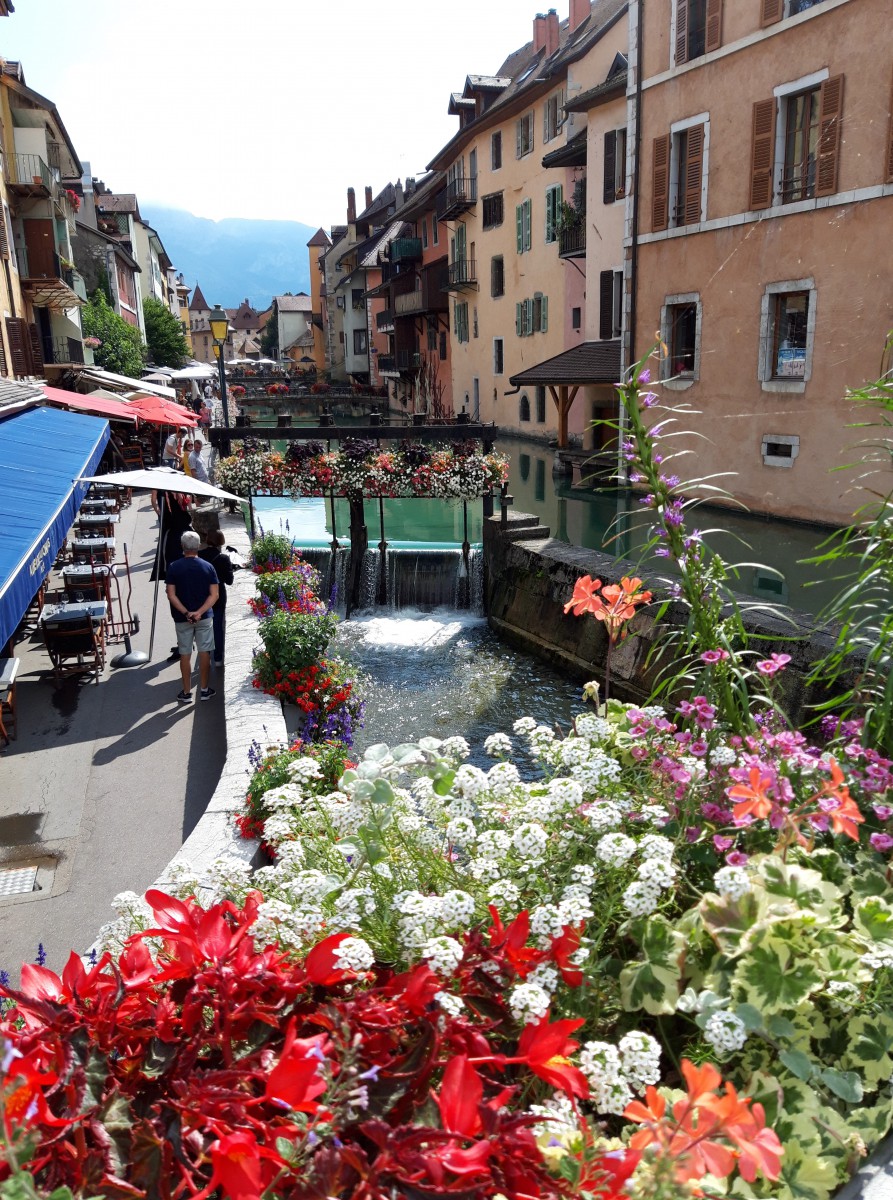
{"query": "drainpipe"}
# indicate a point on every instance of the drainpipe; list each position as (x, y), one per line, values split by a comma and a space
(623, 470)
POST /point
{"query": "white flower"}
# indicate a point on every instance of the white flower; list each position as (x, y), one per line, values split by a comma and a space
(503, 778)
(452, 1005)
(530, 840)
(529, 1002)
(455, 748)
(544, 976)
(493, 843)
(590, 726)
(524, 725)
(641, 898)
(574, 909)
(658, 872)
(656, 814)
(639, 1059)
(560, 1118)
(461, 831)
(505, 892)
(469, 781)
(355, 954)
(733, 882)
(457, 908)
(546, 921)
(498, 744)
(304, 769)
(878, 958)
(723, 756)
(584, 874)
(575, 751)
(609, 1091)
(565, 793)
(725, 1032)
(443, 954)
(653, 845)
(615, 848)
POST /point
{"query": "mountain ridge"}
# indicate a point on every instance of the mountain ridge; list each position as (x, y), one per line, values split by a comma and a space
(236, 257)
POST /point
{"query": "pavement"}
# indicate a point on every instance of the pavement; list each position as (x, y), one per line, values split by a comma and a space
(104, 782)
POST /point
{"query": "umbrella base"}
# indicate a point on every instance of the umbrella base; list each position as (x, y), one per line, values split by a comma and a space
(130, 658)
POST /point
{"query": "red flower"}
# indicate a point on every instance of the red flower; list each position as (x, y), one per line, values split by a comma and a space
(295, 1081)
(545, 1049)
(241, 1167)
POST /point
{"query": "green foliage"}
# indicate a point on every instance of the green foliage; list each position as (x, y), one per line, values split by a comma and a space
(164, 335)
(293, 641)
(274, 772)
(121, 349)
(281, 586)
(271, 552)
(269, 339)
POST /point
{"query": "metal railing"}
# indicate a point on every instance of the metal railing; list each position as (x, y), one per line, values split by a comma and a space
(59, 351)
(462, 273)
(385, 320)
(406, 249)
(572, 240)
(387, 363)
(407, 360)
(459, 194)
(31, 171)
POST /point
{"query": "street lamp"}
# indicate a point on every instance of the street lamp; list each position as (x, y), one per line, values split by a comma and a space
(219, 323)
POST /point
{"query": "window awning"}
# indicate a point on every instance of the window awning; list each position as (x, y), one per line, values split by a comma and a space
(590, 362)
(101, 406)
(42, 453)
(128, 384)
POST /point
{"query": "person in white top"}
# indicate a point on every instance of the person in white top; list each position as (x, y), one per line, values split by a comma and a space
(170, 455)
(199, 471)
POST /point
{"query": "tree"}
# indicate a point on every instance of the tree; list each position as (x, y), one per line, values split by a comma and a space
(269, 341)
(164, 335)
(120, 346)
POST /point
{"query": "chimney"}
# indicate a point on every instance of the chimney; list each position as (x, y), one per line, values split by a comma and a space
(351, 207)
(580, 10)
(539, 33)
(551, 32)
(368, 196)
(398, 195)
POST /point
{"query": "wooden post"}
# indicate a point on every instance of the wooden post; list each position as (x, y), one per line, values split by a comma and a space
(359, 541)
(382, 597)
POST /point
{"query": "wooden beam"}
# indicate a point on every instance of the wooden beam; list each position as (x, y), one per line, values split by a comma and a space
(384, 433)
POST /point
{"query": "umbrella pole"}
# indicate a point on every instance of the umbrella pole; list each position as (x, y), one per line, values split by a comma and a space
(131, 657)
(155, 596)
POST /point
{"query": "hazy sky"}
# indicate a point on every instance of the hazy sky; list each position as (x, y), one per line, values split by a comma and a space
(308, 96)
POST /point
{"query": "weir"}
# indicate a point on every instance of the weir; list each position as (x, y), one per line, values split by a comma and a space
(422, 578)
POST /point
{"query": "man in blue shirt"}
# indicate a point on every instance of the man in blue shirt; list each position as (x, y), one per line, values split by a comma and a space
(193, 590)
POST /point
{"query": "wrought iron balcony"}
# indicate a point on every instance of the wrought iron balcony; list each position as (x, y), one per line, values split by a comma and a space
(62, 351)
(385, 320)
(456, 198)
(406, 249)
(29, 175)
(407, 360)
(572, 241)
(462, 274)
(387, 364)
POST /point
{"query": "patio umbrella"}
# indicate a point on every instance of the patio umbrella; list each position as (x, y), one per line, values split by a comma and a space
(196, 372)
(160, 479)
(162, 412)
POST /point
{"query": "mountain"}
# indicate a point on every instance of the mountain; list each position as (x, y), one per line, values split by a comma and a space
(235, 258)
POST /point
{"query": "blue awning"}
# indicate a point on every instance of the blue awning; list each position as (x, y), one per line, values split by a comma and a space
(42, 453)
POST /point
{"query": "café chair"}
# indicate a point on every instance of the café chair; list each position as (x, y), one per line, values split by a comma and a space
(75, 648)
(88, 589)
(8, 718)
(132, 456)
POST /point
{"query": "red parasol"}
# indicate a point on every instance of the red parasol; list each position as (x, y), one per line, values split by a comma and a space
(158, 411)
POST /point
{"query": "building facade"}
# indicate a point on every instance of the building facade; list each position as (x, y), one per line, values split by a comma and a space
(316, 248)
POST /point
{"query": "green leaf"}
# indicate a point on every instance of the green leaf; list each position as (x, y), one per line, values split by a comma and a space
(654, 983)
(752, 1017)
(377, 753)
(845, 1084)
(805, 1175)
(801, 886)
(773, 977)
(797, 1063)
(780, 1027)
(382, 792)
(444, 782)
(159, 1057)
(727, 921)
(870, 1045)
(874, 918)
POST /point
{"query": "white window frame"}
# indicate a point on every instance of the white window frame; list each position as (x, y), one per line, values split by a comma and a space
(528, 118)
(499, 367)
(765, 370)
(680, 383)
(676, 128)
(782, 94)
(780, 439)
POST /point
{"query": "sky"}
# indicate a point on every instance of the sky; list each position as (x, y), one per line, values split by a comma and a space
(267, 109)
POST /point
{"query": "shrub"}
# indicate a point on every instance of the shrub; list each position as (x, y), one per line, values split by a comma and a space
(292, 641)
(272, 552)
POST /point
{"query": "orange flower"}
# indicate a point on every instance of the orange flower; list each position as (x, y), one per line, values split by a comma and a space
(752, 797)
(584, 598)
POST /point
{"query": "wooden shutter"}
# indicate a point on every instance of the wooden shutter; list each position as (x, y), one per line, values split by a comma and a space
(519, 226)
(17, 333)
(830, 117)
(889, 173)
(518, 319)
(694, 161)
(36, 350)
(605, 304)
(713, 38)
(3, 367)
(681, 32)
(771, 11)
(660, 182)
(544, 315)
(608, 188)
(518, 138)
(762, 154)
(4, 239)
(528, 222)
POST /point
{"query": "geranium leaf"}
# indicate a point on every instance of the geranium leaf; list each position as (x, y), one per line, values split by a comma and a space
(781, 1027)
(870, 1045)
(768, 978)
(654, 984)
(874, 917)
(845, 1084)
(727, 921)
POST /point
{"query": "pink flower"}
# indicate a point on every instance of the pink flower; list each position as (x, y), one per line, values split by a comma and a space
(698, 748)
(882, 811)
(714, 656)
(736, 858)
(722, 843)
(882, 842)
(774, 663)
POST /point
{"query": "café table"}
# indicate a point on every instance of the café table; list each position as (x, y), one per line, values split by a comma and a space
(73, 610)
(97, 547)
(85, 520)
(99, 506)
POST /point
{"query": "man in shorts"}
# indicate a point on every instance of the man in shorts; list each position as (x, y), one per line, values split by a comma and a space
(193, 590)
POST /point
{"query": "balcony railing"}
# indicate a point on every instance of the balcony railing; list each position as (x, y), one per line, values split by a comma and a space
(62, 351)
(407, 249)
(387, 364)
(385, 320)
(572, 241)
(462, 274)
(407, 360)
(457, 197)
(410, 302)
(32, 175)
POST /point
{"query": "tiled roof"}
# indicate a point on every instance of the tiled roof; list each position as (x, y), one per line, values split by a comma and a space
(320, 238)
(198, 300)
(487, 82)
(571, 154)
(385, 199)
(300, 303)
(591, 362)
(614, 86)
(125, 203)
(14, 395)
(382, 239)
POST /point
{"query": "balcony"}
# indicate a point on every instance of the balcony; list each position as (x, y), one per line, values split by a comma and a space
(29, 175)
(387, 364)
(456, 198)
(572, 241)
(407, 360)
(409, 303)
(62, 352)
(385, 321)
(462, 275)
(406, 249)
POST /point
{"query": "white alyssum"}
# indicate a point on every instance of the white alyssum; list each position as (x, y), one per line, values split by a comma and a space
(305, 769)
(733, 882)
(355, 954)
(641, 898)
(609, 1090)
(878, 958)
(504, 892)
(654, 845)
(530, 840)
(639, 1059)
(524, 726)
(725, 1032)
(529, 1002)
(451, 1004)
(615, 849)
(658, 872)
(723, 756)
(443, 954)
(497, 745)
(461, 832)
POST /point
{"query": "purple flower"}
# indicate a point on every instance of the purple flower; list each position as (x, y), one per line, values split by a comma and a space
(722, 843)
(41, 954)
(698, 748)
(648, 399)
(883, 812)
(736, 858)
(645, 377)
(714, 656)
(692, 833)
(882, 842)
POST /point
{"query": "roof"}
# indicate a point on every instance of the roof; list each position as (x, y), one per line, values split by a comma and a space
(198, 300)
(320, 238)
(299, 303)
(422, 199)
(487, 83)
(612, 88)
(382, 239)
(571, 154)
(15, 395)
(306, 339)
(243, 317)
(123, 203)
(16, 81)
(43, 452)
(385, 200)
(125, 383)
(590, 362)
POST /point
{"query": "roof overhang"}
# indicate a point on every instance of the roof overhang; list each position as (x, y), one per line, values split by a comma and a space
(588, 363)
(571, 154)
(54, 294)
(614, 88)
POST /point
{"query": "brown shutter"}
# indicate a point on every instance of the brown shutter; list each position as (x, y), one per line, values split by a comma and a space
(606, 304)
(609, 191)
(17, 333)
(762, 155)
(660, 175)
(693, 163)
(830, 116)
(771, 11)
(889, 175)
(713, 39)
(681, 32)
(36, 350)
(3, 368)
(4, 239)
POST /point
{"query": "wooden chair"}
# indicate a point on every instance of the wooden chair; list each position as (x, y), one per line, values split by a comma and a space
(88, 589)
(8, 718)
(133, 456)
(100, 528)
(75, 648)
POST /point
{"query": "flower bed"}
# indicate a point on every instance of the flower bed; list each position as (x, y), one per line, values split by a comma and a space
(360, 469)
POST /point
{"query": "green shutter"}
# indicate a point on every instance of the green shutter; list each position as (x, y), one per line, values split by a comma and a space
(544, 310)
(518, 319)
(528, 214)
(519, 224)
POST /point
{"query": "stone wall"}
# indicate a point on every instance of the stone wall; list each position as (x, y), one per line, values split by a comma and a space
(530, 577)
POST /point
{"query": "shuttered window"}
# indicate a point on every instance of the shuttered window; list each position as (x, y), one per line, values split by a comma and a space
(713, 31)
(660, 175)
(698, 29)
(553, 116)
(523, 213)
(4, 370)
(614, 182)
(460, 321)
(497, 276)
(17, 335)
(689, 159)
(830, 118)
(554, 200)
(532, 316)
(492, 210)
(770, 12)
(496, 151)
(4, 240)
(524, 135)
(498, 356)
(36, 349)
(605, 303)
(762, 154)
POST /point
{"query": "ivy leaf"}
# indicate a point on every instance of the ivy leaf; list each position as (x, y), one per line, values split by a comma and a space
(773, 978)
(845, 1084)
(797, 1063)
(654, 983)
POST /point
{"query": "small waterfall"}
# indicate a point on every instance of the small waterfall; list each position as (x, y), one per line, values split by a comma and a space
(424, 578)
(332, 574)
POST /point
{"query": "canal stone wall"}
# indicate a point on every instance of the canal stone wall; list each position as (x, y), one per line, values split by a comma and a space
(529, 577)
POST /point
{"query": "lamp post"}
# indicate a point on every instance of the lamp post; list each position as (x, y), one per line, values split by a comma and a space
(219, 323)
